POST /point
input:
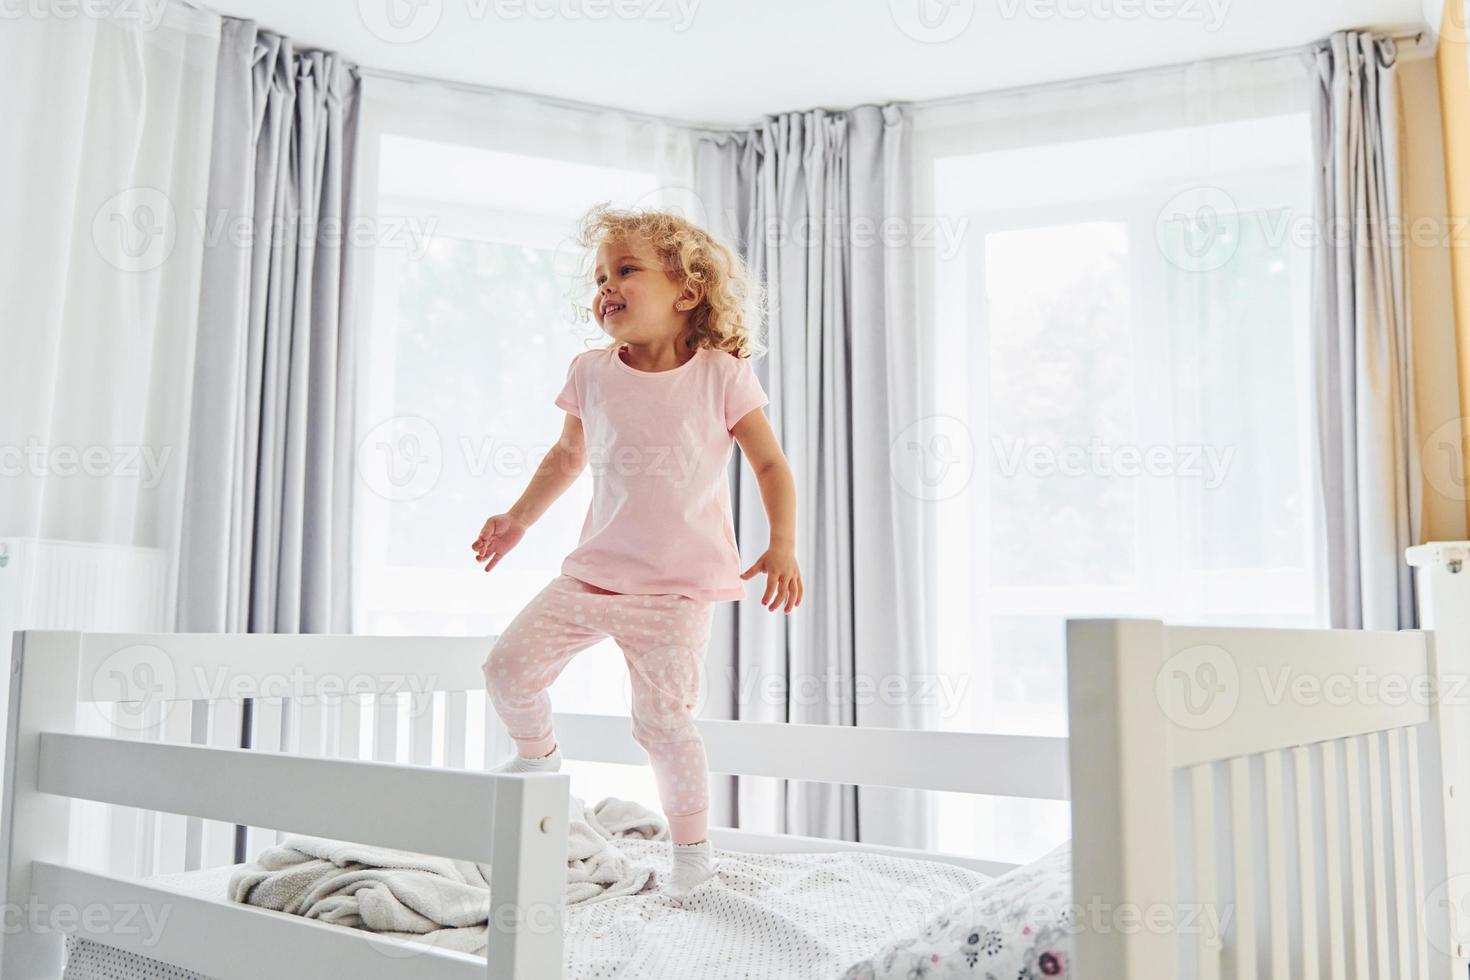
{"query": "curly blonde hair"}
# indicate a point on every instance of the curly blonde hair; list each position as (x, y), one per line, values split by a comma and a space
(731, 308)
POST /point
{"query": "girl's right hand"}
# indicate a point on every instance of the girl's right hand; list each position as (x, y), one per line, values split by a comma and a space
(499, 535)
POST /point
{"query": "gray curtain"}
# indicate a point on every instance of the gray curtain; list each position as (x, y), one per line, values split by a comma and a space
(267, 504)
(1370, 476)
(805, 197)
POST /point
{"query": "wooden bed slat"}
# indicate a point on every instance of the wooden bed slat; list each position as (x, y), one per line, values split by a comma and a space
(1355, 805)
(269, 722)
(349, 727)
(1380, 931)
(1276, 868)
(310, 720)
(1306, 858)
(1206, 875)
(421, 720)
(1402, 911)
(386, 711)
(225, 718)
(1332, 839)
(1245, 887)
(1416, 845)
(456, 729)
(171, 847)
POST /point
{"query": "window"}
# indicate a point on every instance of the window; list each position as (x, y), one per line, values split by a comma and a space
(1124, 328)
(472, 327)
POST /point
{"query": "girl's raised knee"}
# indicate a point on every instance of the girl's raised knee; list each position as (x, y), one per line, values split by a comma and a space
(495, 668)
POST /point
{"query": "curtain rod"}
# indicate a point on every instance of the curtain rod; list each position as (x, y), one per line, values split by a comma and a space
(565, 103)
(1413, 38)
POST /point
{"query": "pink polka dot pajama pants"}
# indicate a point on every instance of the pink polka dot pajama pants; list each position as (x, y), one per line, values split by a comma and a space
(663, 639)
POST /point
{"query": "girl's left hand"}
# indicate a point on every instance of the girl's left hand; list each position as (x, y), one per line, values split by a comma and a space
(783, 578)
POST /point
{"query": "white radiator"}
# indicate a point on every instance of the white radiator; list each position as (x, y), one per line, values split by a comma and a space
(76, 585)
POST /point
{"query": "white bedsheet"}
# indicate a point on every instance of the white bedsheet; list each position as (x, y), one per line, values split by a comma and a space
(797, 916)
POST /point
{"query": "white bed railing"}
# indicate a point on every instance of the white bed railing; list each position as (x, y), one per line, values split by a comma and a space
(515, 823)
(174, 687)
(1170, 806)
(1296, 788)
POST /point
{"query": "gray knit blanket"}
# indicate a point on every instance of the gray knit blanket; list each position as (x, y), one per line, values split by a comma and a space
(438, 900)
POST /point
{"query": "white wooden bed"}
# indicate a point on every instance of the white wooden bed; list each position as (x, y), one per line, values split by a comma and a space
(1330, 829)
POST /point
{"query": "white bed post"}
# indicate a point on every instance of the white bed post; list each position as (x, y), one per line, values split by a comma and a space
(1122, 801)
(528, 877)
(1442, 579)
(34, 825)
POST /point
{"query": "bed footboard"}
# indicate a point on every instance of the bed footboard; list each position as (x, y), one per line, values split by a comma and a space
(517, 824)
(1272, 802)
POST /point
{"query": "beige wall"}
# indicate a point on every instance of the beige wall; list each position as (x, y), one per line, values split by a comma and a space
(1437, 382)
(1454, 103)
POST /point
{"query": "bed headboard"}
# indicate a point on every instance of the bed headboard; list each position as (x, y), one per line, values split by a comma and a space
(1273, 802)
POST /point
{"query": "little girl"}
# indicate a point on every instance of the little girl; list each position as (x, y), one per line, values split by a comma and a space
(658, 410)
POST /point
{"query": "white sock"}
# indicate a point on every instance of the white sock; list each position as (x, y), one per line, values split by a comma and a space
(692, 864)
(519, 763)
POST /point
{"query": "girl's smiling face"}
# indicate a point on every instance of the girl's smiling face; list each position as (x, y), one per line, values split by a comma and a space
(635, 300)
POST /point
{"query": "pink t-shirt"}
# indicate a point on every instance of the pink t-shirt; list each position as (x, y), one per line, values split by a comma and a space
(658, 445)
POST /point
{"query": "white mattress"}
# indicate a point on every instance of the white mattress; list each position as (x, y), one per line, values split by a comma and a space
(806, 916)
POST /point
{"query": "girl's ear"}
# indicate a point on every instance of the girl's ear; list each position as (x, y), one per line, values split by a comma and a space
(689, 297)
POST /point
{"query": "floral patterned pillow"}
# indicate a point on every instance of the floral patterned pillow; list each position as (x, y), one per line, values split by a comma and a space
(1015, 927)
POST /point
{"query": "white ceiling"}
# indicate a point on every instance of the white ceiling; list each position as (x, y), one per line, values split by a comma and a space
(733, 61)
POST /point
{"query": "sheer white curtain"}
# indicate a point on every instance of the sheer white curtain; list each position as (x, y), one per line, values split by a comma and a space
(104, 157)
(469, 312)
(1117, 335)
